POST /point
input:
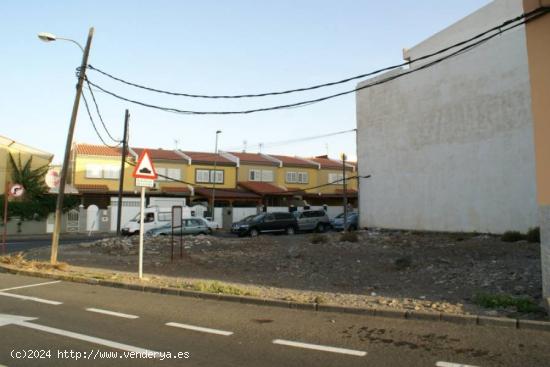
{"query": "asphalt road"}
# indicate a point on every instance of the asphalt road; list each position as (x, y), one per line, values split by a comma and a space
(54, 319)
(18, 244)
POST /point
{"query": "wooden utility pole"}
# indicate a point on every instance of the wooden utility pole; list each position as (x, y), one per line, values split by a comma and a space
(5, 229)
(121, 177)
(66, 159)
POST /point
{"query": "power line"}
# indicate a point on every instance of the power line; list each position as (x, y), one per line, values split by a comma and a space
(536, 14)
(94, 125)
(291, 141)
(99, 113)
(498, 28)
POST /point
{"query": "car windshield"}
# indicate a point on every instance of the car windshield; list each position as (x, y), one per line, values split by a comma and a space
(257, 217)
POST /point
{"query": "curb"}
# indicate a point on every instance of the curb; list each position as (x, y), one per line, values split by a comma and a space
(477, 320)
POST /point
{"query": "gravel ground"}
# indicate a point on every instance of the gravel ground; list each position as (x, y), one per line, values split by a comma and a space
(391, 269)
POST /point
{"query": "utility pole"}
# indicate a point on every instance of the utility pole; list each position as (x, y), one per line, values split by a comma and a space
(122, 166)
(66, 159)
(345, 192)
(215, 177)
(5, 229)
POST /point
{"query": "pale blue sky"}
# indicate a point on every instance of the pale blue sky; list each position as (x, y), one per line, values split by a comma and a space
(209, 47)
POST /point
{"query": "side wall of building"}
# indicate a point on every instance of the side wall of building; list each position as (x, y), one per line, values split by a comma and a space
(450, 148)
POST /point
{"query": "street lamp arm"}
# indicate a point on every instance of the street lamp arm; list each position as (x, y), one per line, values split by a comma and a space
(73, 41)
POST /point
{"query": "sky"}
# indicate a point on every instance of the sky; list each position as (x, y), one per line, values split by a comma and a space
(204, 47)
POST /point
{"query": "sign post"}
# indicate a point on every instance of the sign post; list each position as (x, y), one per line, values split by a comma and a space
(16, 190)
(145, 176)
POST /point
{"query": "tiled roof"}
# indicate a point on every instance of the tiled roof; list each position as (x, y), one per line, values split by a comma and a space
(293, 161)
(176, 189)
(262, 188)
(208, 158)
(226, 193)
(92, 188)
(90, 149)
(326, 162)
(160, 154)
(253, 158)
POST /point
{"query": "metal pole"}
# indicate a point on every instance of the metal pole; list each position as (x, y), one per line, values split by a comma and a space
(66, 159)
(141, 228)
(214, 183)
(345, 192)
(5, 230)
(121, 177)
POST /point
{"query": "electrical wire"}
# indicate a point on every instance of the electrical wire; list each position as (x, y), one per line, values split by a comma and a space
(292, 141)
(498, 28)
(317, 100)
(94, 125)
(99, 113)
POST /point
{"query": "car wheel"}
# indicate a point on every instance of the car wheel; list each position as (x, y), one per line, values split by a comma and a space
(254, 232)
(321, 228)
(353, 227)
(290, 231)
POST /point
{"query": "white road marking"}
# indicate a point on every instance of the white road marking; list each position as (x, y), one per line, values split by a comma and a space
(30, 285)
(450, 364)
(28, 298)
(198, 328)
(23, 321)
(112, 313)
(323, 348)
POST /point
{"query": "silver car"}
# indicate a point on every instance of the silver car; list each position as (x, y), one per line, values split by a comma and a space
(189, 226)
(313, 220)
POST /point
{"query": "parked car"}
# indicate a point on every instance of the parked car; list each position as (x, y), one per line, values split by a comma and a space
(210, 223)
(189, 226)
(312, 220)
(352, 222)
(266, 222)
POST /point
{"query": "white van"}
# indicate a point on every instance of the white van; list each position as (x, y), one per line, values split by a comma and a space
(154, 217)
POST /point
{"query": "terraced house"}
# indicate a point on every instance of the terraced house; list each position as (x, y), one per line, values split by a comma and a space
(232, 178)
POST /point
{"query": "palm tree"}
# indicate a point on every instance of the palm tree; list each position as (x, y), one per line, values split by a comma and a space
(31, 179)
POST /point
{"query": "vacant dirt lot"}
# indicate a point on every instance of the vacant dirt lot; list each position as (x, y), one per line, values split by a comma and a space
(422, 271)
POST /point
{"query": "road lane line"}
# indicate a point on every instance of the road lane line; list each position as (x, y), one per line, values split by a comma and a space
(323, 348)
(198, 328)
(450, 364)
(30, 285)
(24, 322)
(28, 298)
(112, 313)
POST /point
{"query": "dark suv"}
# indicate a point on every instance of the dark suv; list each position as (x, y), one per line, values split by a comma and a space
(266, 222)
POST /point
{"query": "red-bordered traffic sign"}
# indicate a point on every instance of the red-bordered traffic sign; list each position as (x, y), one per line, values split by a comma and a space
(144, 167)
(17, 190)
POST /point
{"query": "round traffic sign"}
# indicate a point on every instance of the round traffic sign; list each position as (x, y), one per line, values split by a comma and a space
(17, 190)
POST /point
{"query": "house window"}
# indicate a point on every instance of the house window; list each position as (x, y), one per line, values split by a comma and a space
(174, 173)
(209, 176)
(336, 178)
(111, 172)
(267, 175)
(297, 177)
(203, 176)
(94, 171)
(161, 172)
(260, 175)
(255, 175)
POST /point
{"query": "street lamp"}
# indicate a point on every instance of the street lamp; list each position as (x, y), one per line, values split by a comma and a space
(48, 37)
(218, 132)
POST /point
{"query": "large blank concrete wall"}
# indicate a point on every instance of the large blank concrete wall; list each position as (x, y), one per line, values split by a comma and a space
(450, 148)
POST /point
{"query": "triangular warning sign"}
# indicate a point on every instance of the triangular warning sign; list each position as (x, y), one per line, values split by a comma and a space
(144, 167)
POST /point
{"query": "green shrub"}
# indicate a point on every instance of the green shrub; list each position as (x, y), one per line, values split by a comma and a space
(349, 237)
(512, 236)
(522, 304)
(318, 238)
(533, 235)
